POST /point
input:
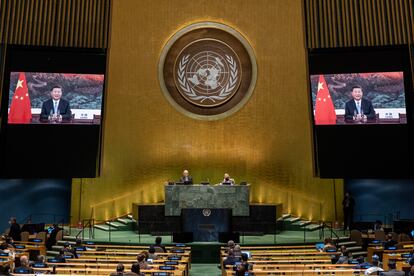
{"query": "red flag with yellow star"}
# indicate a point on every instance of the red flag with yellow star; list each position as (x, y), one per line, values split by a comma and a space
(324, 107)
(20, 109)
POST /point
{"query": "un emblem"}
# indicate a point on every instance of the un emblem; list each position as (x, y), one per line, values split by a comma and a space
(206, 212)
(207, 71)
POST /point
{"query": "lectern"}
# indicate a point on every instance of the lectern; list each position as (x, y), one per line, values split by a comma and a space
(206, 223)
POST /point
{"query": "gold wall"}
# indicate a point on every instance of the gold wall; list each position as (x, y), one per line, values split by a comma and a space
(146, 141)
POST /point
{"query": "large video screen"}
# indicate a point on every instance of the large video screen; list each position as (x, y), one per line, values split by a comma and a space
(361, 109)
(55, 98)
(359, 98)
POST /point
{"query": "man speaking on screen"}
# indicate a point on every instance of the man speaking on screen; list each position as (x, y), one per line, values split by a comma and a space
(56, 108)
(359, 108)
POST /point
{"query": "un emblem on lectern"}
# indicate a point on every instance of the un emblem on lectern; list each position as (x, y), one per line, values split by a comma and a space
(207, 71)
(206, 212)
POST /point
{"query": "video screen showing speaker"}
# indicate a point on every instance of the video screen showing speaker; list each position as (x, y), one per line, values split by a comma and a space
(361, 110)
(55, 98)
(358, 98)
(52, 112)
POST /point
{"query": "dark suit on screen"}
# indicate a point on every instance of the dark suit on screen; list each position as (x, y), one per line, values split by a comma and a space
(63, 107)
(366, 108)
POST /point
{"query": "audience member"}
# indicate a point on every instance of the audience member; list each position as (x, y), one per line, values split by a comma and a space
(328, 244)
(392, 270)
(40, 263)
(159, 247)
(237, 251)
(344, 255)
(51, 241)
(141, 262)
(241, 271)
(230, 245)
(231, 259)
(378, 226)
(14, 232)
(24, 267)
(362, 263)
(119, 270)
(389, 242)
(245, 263)
(69, 250)
(151, 253)
(61, 257)
(135, 269)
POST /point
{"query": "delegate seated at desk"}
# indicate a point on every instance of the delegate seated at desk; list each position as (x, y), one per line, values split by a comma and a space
(227, 180)
(186, 178)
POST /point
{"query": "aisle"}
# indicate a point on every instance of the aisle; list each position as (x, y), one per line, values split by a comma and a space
(205, 270)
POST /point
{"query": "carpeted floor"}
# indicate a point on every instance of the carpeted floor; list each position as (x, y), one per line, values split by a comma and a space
(205, 270)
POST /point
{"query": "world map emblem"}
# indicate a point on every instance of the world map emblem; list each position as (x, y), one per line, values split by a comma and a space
(207, 71)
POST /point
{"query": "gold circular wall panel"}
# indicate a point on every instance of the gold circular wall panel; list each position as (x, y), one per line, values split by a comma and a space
(207, 71)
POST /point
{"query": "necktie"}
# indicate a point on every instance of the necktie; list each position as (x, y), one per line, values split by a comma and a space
(55, 107)
(359, 107)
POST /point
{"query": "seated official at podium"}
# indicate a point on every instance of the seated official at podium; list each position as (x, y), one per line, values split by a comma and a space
(186, 179)
(227, 180)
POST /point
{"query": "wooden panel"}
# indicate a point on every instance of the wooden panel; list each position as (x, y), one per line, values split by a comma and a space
(344, 23)
(270, 142)
(62, 23)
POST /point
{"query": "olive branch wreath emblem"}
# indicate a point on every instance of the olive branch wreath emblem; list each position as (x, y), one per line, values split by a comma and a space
(224, 93)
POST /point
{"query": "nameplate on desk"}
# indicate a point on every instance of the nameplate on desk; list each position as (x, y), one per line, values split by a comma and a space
(35, 240)
(39, 265)
(171, 263)
(166, 267)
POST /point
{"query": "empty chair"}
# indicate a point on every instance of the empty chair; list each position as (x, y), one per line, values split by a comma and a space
(403, 237)
(380, 235)
(42, 236)
(59, 235)
(356, 236)
(24, 236)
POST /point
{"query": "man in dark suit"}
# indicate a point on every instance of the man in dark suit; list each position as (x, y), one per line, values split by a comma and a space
(359, 108)
(24, 267)
(57, 108)
(14, 232)
(186, 178)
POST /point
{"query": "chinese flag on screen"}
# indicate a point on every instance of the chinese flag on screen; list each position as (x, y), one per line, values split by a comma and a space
(324, 107)
(20, 110)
